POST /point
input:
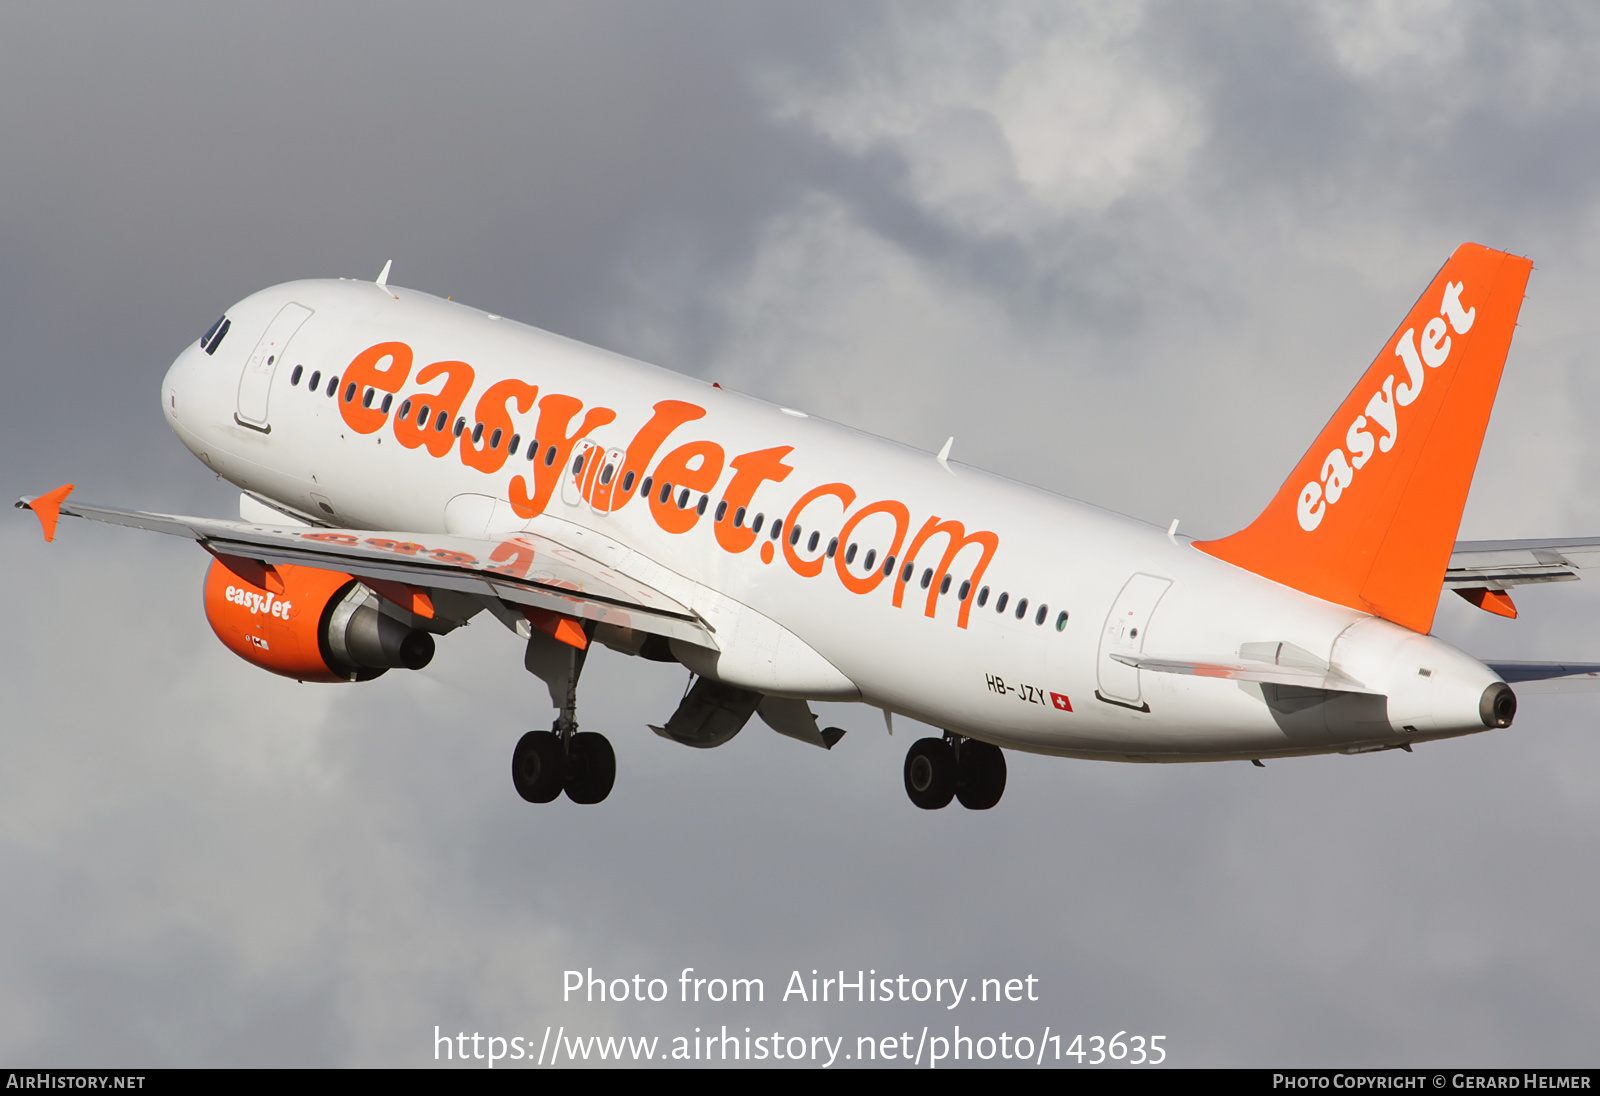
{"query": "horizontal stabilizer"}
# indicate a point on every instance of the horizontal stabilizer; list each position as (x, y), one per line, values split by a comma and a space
(1248, 670)
(1549, 677)
(1502, 564)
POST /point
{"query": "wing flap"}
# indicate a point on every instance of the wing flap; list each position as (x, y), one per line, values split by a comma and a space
(521, 568)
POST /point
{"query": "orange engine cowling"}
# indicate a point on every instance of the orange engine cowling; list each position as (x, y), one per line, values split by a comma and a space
(307, 623)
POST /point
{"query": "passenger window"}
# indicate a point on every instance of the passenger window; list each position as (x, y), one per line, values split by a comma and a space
(1022, 608)
(1044, 611)
(405, 410)
(944, 585)
(461, 426)
(607, 472)
(755, 526)
(350, 392)
(794, 536)
(294, 378)
(577, 464)
(909, 569)
(777, 528)
(1061, 621)
(927, 577)
(683, 499)
(627, 480)
(666, 493)
(494, 438)
(722, 510)
(333, 386)
(850, 555)
(550, 456)
(738, 518)
(384, 406)
(644, 487)
(983, 596)
(477, 432)
(705, 500)
(315, 382)
(366, 397)
(811, 545)
(888, 566)
(966, 588)
(871, 560)
(516, 440)
(1000, 603)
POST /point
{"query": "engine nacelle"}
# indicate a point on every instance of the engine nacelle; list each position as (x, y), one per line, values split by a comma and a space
(307, 623)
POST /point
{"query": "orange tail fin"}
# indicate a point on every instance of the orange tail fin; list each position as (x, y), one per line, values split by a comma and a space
(1369, 516)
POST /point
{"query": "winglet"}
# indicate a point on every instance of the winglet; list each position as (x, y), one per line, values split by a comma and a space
(1497, 602)
(48, 508)
(383, 277)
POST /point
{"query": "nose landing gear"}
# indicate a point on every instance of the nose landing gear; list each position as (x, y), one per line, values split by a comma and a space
(940, 769)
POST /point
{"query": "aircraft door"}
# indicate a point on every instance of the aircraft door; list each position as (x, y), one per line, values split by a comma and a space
(1125, 629)
(255, 383)
(580, 471)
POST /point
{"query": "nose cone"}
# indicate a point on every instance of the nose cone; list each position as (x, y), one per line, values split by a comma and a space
(183, 394)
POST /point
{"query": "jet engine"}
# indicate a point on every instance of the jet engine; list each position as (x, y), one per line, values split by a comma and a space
(308, 623)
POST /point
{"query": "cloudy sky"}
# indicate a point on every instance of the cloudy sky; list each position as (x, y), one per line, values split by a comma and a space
(1135, 254)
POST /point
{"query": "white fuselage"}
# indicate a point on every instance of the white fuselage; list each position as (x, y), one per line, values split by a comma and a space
(975, 669)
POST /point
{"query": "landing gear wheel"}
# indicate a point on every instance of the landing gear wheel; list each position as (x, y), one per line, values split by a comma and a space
(980, 774)
(930, 773)
(539, 766)
(591, 768)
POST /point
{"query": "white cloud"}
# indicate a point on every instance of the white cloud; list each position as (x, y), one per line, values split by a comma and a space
(1009, 119)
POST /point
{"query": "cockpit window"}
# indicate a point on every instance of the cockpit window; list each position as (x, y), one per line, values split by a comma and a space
(215, 334)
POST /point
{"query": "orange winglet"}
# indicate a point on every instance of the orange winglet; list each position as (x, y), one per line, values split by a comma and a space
(48, 507)
(553, 624)
(1497, 602)
(411, 598)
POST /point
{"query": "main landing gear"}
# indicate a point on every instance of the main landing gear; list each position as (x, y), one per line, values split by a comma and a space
(940, 769)
(545, 764)
(562, 759)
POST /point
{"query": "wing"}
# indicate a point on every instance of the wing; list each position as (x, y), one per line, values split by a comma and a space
(520, 568)
(1502, 564)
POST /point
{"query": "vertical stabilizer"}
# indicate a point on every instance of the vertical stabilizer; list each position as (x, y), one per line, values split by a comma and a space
(1369, 515)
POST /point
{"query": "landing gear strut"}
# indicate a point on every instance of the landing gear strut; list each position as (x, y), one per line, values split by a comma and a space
(546, 763)
(940, 769)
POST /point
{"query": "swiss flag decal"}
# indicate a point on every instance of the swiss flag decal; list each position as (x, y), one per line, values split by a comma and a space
(1061, 702)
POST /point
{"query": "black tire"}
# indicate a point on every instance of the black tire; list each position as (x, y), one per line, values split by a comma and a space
(538, 766)
(930, 773)
(980, 775)
(591, 768)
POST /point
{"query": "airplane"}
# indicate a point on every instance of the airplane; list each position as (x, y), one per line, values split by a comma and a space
(407, 463)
